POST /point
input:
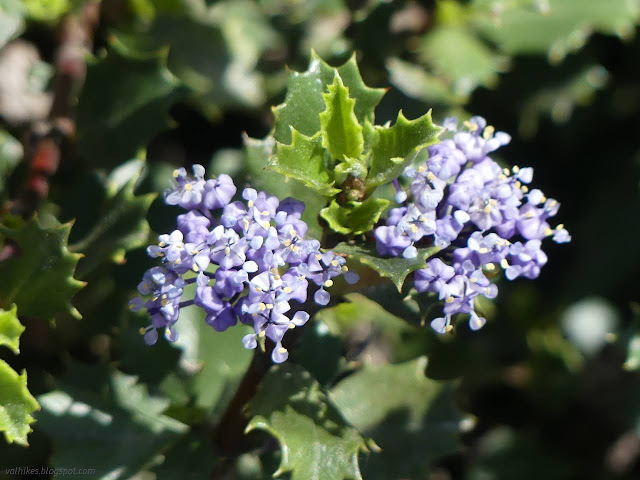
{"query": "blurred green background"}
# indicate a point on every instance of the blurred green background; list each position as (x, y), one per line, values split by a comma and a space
(549, 388)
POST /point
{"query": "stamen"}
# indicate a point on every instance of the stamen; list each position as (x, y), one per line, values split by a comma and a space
(488, 132)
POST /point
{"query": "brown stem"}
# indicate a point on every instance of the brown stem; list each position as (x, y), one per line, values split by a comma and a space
(230, 432)
(43, 155)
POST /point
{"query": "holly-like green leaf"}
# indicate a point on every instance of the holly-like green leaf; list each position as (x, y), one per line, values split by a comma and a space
(40, 277)
(10, 155)
(459, 56)
(394, 147)
(215, 360)
(258, 154)
(191, 457)
(315, 441)
(341, 132)
(396, 268)
(357, 217)
(46, 10)
(90, 429)
(350, 166)
(123, 103)
(11, 19)
(10, 329)
(304, 160)
(412, 419)
(204, 51)
(561, 27)
(122, 223)
(304, 101)
(369, 311)
(558, 96)
(16, 405)
(414, 81)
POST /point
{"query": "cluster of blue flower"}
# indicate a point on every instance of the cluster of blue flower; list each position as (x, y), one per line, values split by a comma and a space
(249, 260)
(481, 215)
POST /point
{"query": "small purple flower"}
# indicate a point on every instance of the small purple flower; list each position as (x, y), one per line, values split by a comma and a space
(481, 216)
(218, 192)
(187, 192)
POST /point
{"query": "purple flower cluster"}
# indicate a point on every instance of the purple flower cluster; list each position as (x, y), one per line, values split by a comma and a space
(249, 260)
(482, 216)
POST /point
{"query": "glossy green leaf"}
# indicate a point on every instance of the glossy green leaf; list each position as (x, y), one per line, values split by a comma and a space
(258, 154)
(205, 55)
(46, 10)
(354, 167)
(393, 148)
(395, 269)
(319, 350)
(412, 419)
(341, 132)
(356, 218)
(192, 457)
(216, 360)
(315, 441)
(10, 155)
(558, 97)
(304, 101)
(123, 103)
(414, 81)
(245, 19)
(560, 27)
(40, 278)
(304, 160)
(464, 60)
(11, 19)
(10, 329)
(122, 223)
(16, 405)
(94, 428)
(391, 335)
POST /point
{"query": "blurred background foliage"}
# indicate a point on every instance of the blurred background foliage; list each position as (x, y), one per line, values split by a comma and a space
(101, 101)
